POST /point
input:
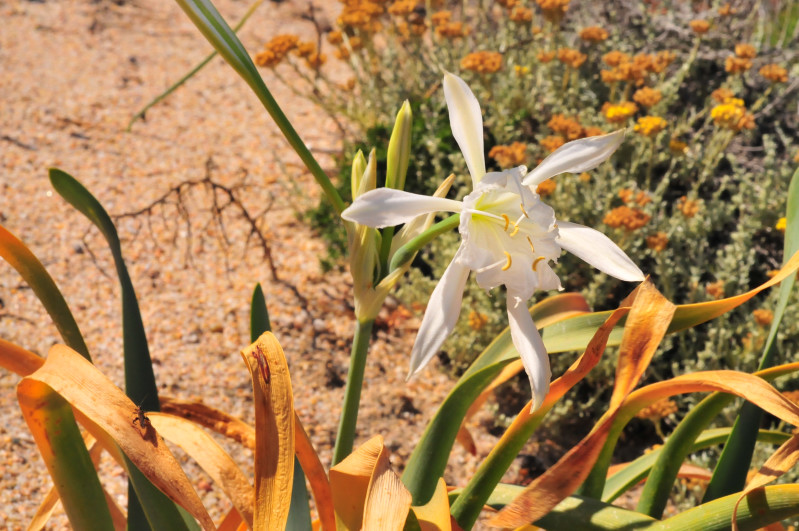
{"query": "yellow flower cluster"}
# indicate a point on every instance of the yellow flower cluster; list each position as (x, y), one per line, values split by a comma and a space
(634, 69)
(619, 112)
(650, 126)
(509, 156)
(732, 115)
(593, 34)
(699, 27)
(688, 207)
(571, 57)
(546, 188)
(629, 218)
(763, 317)
(276, 50)
(658, 241)
(361, 14)
(774, 73)
(482, 62)
(781, 225)
(647, 97)
(660, 409)
(553, 10)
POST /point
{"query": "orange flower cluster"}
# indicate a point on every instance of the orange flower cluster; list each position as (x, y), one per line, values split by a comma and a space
(650, 126)
(403, 8)
(361, 14)
(276, 50)
(727, 10)
(763, 317)
(553, 10)
(546, 188)
(521, 15)
(699, 27)
(545, 56)
(641, 198)
(509, 156)
(571, 57)
(593, 34)
(552, 142)
(774, 73)
(742, 60)
(619, 112)
(477, 320)
(745, 51)
(658, 241)
(715, 289)
(446, 28)
(647, 97)
(568, 127)
(660, 409)
(688, 207)
(732, 115)
(722, 94)
(482, 62)
(634, 69)
(629, 218)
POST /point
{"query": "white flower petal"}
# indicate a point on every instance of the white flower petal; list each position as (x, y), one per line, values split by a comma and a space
(531, 348)
(441, 315)
(598, 250)
(466, 123)
(576, 156)
(386, 207)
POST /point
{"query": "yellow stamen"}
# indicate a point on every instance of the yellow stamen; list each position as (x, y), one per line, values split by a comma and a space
(535, 263)
(507, 264)
(521, 205)
(532, 247)
(515, 230)
(507, 221)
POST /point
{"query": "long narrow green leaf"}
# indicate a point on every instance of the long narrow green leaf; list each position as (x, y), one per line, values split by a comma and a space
(730, 473)
(72, 470)
(208, 20)
(147, 503)
(636, 471)
(299, 510)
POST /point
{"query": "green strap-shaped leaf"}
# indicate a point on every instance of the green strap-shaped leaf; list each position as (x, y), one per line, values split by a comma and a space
(730, 473)
(147, 503)
(299, 510)
(208, 20)
(71, 467)
(636, 471)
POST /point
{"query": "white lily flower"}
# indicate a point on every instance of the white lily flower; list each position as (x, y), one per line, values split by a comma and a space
(509, 236)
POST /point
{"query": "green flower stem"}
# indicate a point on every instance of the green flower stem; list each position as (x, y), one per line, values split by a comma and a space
(352, 393)
(190, 74)
(387, 237)
(208, 20)
(406, 252)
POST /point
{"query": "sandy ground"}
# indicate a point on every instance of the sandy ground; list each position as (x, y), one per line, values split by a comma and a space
(72, 73)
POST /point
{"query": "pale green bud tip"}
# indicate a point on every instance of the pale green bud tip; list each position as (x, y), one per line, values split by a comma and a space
(399, 148)
(358, 167)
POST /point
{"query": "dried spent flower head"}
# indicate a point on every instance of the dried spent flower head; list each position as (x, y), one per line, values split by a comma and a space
(781, 225)
(482, 62)
(774, 73)
(650, 126)
(509, 156)
(688, 207)
(715, 289)
(745, 51)
(551, 143)
(571, 57)
(700, 27)
(677, 147)
(544, 56)
(722, 94)
(546, 187)
(658, 241)
(477, 320)
(629, 218)
(660, 409)
(553, 10)
(763, 317)
(619, 112)
(647, 97)
(521, 15)
(737, 65)
(593, 34)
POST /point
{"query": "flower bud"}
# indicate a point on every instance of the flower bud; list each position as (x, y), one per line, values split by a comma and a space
(358, 167)
(399, 148)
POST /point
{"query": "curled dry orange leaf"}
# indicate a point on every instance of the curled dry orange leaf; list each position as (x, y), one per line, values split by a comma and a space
(274, 431)
(367, 494)
(434, 515)
(647, 322)
(71, 376)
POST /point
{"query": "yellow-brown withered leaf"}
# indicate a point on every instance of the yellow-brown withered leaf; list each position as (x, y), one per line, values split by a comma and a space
(274, 431)
(387, 499)
(434, 515)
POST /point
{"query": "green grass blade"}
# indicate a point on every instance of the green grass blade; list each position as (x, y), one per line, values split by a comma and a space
(140, 383)
(161, 97)
(299, 510)
(208, 20)
(730, 473)
(636, 471)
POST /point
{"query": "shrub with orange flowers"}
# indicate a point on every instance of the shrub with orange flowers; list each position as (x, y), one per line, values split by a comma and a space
(630, 219)
(509, 156)
(700, 27)
(657, 241)
(593, 34)
(774, 73)
(571, 57)
(647, 97)
(482, 62)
